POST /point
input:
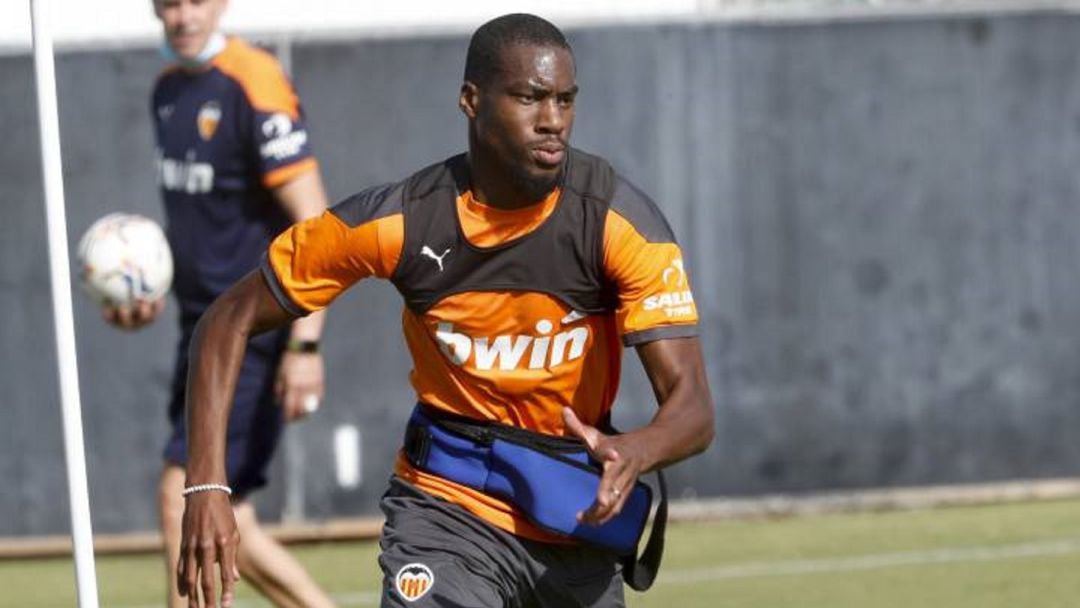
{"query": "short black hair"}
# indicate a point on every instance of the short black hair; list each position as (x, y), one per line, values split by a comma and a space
(482, 61)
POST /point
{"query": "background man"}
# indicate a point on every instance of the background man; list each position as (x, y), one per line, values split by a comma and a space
(235, 169)
(523, 264)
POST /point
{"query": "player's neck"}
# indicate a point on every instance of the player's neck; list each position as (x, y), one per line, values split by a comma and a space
(493, 186)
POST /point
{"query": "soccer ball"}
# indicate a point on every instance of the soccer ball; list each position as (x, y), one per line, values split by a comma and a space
(125, 257)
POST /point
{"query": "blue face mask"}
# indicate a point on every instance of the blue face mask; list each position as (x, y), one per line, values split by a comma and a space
(214, 45)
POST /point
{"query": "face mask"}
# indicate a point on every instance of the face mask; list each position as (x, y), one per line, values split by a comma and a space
(214, 45)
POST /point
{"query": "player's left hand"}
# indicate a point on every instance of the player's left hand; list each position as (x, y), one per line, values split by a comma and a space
(623, 463)
(136, 315)
(299, 384)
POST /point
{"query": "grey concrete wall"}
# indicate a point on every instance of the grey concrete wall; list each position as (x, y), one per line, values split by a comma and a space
(878, 219)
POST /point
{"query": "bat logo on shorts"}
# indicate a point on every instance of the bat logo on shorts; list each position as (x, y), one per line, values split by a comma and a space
(413, 581)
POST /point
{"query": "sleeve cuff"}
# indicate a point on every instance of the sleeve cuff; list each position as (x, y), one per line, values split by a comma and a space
(278, 291)
(660, 333)
(286, 173)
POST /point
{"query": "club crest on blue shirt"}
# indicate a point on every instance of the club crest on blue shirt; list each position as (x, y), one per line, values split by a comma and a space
(208, 118)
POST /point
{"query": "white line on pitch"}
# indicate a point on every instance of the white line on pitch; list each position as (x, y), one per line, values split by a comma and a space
(341, 599)
(873, 561)
(869, 562)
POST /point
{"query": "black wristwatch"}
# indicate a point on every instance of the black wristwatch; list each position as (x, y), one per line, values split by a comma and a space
(302, 346)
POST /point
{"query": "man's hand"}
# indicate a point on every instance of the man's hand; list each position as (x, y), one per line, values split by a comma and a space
(623, 463)
(208, 537)
(299, 385)
(135, 315)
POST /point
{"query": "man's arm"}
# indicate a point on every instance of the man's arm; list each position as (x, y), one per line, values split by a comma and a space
(209, 533)
(682, 427)
(299, 385)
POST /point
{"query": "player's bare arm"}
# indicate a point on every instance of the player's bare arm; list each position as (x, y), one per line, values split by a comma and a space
(209, 538)
(682, 427)
(300, 384)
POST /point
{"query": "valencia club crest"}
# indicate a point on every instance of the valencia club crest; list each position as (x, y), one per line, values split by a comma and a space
(208, 118)
(413, 581)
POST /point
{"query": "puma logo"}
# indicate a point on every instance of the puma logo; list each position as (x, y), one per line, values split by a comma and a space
(431, 254)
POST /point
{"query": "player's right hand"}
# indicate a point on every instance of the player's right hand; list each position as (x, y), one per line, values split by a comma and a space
(622, 460)
(133, 316)
(208, 537)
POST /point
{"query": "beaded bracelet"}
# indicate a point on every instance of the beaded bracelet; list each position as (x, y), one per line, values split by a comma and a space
(206, 487)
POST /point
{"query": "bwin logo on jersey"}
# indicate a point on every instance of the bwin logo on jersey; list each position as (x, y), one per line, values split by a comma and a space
(413, 581)
(184, 175)
(508, 352)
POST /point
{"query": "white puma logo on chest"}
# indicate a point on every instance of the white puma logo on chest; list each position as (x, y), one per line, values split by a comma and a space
(431, 254)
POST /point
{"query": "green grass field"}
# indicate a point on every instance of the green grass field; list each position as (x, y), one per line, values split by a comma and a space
(1021, 554)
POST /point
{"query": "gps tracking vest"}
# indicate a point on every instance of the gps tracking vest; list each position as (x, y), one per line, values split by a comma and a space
(561, 257)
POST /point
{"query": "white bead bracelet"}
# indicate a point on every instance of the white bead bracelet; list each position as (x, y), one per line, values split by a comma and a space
(206, 487)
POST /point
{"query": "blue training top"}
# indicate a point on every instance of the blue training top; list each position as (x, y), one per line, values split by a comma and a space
(226, 136)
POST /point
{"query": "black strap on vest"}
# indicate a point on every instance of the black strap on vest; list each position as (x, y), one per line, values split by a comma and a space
(638, 572)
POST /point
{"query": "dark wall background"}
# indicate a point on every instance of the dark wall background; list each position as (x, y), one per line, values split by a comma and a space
(879, 220)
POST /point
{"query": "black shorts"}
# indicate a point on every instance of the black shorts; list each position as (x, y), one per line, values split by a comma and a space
(255, 422)
(437, 554)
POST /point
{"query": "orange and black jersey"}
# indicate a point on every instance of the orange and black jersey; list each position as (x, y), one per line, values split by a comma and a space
(509, 315)
(225, 137)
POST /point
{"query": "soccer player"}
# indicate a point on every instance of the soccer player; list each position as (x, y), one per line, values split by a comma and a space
(235, 169)
(525, 265)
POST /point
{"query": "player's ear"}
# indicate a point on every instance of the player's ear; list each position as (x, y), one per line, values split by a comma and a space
(468, 99)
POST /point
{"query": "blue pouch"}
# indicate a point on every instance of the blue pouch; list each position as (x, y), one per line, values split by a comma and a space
(550, 479)
(553, 488)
